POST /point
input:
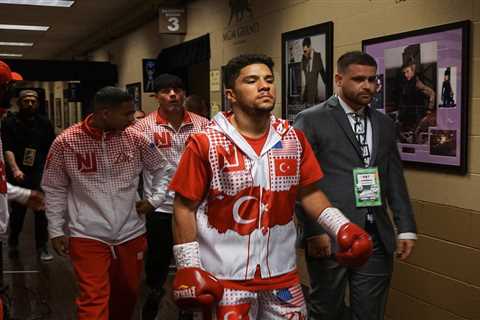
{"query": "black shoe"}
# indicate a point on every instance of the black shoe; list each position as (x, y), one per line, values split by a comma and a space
(150, 307)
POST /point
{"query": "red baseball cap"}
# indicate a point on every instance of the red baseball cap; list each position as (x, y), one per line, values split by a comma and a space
(5, 73)
(16, 76)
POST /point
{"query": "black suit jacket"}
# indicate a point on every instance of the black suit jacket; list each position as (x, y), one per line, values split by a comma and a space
(310, 94)
(329, 132)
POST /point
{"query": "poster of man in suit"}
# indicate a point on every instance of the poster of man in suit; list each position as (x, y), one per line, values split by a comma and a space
(308, 68)
(411, 75)
(313, 73)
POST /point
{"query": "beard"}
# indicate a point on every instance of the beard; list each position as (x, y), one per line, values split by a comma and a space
(357, 98)
(257, 110)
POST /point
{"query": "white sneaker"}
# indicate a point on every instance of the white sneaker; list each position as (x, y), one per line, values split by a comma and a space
(45, 255)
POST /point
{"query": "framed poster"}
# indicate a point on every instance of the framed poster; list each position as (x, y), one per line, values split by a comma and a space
(58, 113)
(135, 91)
(149, 70)
(307, 66)
(424, 81)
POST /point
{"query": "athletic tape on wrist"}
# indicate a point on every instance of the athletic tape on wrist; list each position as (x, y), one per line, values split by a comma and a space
(331, 219)
(187, 255)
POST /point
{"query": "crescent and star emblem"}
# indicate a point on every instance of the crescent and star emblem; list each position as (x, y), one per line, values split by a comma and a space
(284, 167)
(236, 207)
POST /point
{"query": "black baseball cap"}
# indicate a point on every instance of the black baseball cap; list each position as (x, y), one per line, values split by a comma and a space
(166, 80)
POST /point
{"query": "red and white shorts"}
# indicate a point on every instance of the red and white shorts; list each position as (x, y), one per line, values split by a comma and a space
(286, 303)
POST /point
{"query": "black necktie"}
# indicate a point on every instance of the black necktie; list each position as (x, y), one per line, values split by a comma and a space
(360, 130)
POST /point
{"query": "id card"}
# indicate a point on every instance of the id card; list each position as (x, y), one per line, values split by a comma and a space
(29, 157)
(367, 187)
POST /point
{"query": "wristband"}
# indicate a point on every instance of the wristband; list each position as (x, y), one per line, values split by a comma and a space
(187, 255)
(331, 219)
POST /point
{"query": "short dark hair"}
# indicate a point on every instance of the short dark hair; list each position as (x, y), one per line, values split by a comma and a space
(307, 42)
(109, 97)
(166, 80)
(408, 64)
(355, 57)
(233, 67)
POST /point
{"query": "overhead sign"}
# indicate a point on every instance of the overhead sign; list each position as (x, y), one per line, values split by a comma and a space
(172, 20)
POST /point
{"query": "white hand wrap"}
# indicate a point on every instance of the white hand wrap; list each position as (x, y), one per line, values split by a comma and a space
(187, 255)
(331, 219)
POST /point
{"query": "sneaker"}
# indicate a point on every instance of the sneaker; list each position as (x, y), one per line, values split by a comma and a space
(45, 255)
(150, 307)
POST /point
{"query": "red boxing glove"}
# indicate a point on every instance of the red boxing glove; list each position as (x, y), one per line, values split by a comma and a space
(355, 245)
(196, 289)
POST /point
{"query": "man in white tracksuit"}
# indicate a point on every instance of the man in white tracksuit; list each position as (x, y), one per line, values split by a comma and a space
(90, 183)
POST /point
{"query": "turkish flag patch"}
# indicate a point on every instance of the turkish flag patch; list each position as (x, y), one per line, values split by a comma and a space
(233, 312)
(285, 167)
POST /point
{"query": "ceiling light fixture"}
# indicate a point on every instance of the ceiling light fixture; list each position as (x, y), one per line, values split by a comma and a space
(12, 55)
(23, 27)
(16, 44)
(45, 3)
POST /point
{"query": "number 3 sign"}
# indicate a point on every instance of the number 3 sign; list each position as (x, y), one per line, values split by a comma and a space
(172, 20)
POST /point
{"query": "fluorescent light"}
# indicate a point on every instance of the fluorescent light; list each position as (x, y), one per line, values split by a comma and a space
(23, 27)
(45, 3)
(16, 44)
(16, 55)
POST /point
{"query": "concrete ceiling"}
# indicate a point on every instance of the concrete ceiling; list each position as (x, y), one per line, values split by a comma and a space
(75, 30)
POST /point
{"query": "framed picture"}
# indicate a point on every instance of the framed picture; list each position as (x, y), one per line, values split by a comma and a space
(58, 113)
(307, 66)
(423, 87)
(149, 68)
(135, 90)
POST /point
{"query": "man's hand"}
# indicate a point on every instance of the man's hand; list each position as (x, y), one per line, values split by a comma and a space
(404, 248)
(36, 201)
(319, 246)
(144, 207)
(60, 244)
(18, 175)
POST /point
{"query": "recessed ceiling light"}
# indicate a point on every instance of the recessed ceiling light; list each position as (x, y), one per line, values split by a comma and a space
(13, 55)
(23, 27)
(45, 3)
(16, 44)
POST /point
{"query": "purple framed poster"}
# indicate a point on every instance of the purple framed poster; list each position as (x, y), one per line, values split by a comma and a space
(423, 81)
